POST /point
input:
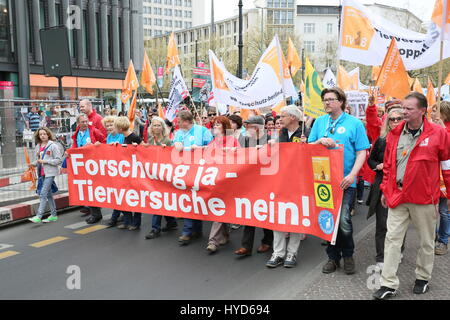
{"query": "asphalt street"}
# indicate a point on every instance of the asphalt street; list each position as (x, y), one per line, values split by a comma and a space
(36, 260)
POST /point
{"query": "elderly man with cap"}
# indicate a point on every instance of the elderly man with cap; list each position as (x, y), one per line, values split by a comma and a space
(256, 137)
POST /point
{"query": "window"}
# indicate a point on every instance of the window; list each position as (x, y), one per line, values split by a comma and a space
(329, 28)
(310, 28)
(310, 46)
(329, 46)
(85, 34)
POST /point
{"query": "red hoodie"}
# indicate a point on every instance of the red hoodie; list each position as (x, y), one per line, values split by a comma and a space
(95, 120)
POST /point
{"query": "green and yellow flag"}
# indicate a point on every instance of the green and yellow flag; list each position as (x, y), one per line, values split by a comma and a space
(313, 89)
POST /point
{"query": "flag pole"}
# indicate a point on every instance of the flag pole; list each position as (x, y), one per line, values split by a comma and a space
(441, 60)
(338, 58)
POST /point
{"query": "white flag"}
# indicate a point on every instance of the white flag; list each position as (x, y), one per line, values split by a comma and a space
(365, 39)
(178, 92)
(269, 84)
(329, 80)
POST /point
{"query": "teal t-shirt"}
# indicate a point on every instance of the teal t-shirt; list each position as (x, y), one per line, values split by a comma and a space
(197, 135)
(346, 130)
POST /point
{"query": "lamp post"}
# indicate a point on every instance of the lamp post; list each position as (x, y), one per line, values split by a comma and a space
(241, 43)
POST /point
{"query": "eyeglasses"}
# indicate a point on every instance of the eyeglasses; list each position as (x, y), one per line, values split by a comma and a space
(329, 100)
(396, 119)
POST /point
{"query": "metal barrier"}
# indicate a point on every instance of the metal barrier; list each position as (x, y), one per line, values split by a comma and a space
(58, 116)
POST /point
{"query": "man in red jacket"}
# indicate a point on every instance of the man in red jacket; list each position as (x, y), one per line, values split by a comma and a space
(95, 119)
(415, 151)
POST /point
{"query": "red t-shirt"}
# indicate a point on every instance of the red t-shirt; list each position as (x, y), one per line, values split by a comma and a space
(225, 142)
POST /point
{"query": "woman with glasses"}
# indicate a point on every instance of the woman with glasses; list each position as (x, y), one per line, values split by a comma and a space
(375, 161)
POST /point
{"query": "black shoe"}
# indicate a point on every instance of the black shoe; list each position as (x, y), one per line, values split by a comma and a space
(170, 227)
(421, 287)
(111, 223)
(349, 265)
(330, 266)
(384, 293)
(93, 220)
(153, 234)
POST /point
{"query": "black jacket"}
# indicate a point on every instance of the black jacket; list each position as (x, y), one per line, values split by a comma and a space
(284, 135)
(376, 157)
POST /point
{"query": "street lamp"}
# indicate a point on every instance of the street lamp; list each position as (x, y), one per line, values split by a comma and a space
(241, 43)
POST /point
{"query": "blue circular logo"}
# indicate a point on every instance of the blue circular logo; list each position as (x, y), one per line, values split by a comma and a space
(326, 221)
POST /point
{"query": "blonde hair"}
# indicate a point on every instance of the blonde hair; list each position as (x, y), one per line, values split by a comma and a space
(165, 131)
(386, 128)
(122, 123)
(108, 119)
(50, 134)
(445, 111)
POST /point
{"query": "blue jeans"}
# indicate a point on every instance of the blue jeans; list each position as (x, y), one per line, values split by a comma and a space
(444, 225)
(345, 245)
(47, 196)
(156, 222)
(191, 226)
(132, 219)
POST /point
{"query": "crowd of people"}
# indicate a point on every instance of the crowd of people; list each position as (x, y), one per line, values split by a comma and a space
(400, 149)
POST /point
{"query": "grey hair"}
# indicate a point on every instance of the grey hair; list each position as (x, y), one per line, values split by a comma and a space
(166, 130)
(81, 115)
(294, 111)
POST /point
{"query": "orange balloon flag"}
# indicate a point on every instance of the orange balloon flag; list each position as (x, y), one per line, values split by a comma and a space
(431, 97)
(441, 16)
(293, 59)
(132, 111)
(393, 79)
(173, 59)
(279, 106)
(131, 83)
(161, 112)
(148, 78)
(347, 82)
(417, 86)
(30, 173)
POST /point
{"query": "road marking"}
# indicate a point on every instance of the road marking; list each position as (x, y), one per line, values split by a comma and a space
(84, 224)
(7, 254)
(91, 229)
(4, 246)
(47, 242)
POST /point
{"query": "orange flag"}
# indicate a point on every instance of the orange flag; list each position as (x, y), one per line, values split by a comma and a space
(148, 78)
(131, 83)
(431, 96)
(417, 86)
(447, 80)
(347, 82)
(293, 60)
(375, 72)
(441, 16)
(245, 114)
(161, 112)
(132, 111)
(393, 80)
(173, 59)
(279, 106)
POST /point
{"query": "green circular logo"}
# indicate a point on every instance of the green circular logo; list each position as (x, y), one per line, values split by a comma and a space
(323, 192)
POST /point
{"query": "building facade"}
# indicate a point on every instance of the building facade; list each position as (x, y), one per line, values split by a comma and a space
(164, 16)
(103, 36)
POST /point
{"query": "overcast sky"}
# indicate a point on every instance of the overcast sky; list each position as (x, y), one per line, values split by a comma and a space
(227, 8)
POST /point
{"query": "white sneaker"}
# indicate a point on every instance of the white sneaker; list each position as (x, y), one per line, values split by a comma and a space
(380, 265)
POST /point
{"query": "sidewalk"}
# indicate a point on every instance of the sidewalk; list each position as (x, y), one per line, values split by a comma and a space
(339, 286)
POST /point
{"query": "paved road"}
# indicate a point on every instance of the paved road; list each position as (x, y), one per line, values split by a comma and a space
(119, 264)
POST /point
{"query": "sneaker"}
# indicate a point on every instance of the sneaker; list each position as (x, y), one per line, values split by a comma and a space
(235, 226)
(380, 265)
(133, 228)
(122, 226)
(224, 241)
(360, 201)
(384, 293)
(330, 266)
(421, 287)
(35, 220)
(274, 261)
(440, 249)
(349, 265)
(184, 240)
(153, 234)
(111, 223)
(50, 219)
(291, 261)
(170, 227)
(211, 248)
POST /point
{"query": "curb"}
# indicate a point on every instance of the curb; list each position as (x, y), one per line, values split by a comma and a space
(17, 212)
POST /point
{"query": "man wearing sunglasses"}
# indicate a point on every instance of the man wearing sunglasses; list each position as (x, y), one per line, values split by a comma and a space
(338, 127)
(207, 118)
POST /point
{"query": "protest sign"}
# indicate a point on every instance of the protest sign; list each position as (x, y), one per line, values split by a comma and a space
(201, 85)
(358, 101)
(246, 187)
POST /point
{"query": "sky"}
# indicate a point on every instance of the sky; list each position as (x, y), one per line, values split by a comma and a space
(228, 8)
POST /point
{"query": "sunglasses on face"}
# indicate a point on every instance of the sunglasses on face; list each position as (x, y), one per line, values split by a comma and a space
(396, 119)
(212, 114)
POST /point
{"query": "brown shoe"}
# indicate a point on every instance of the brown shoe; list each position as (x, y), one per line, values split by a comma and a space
(263, 248)
(243, 252)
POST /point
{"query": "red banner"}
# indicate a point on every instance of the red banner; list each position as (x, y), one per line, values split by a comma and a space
(288, 187)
